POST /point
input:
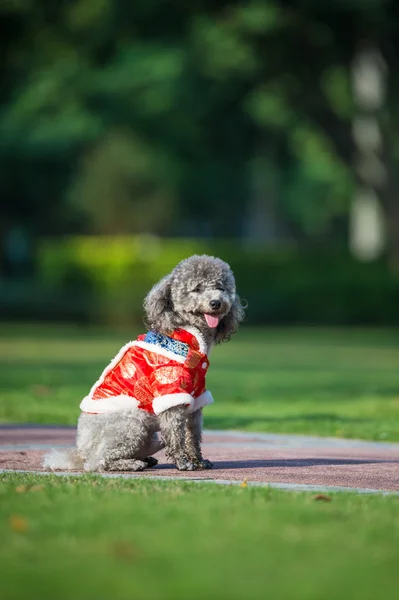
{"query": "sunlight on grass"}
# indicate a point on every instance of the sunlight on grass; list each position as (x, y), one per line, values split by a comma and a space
(322, 382)
(96, 538)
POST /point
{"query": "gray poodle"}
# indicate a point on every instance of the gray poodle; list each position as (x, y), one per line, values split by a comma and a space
(157, 383)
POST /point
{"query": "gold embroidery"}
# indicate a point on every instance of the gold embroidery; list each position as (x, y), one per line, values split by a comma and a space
(154, 360)
(193, 359)
(168, 374)
(128, 369)
(142, 391)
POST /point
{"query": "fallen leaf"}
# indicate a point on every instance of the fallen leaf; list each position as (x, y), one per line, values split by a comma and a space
(125, 551)
(41, 390)
(20, 489)
(18, 524)
(244, 484)
(36, 488)
(322, 497)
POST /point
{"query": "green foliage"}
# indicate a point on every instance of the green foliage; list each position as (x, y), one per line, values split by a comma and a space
(224, 51)
(86, 15)
(268, 108)
(141, 117)
(335, 82)
(281, 286)
(258, 17)
(317, 191)
(124, 186)
(144, 76)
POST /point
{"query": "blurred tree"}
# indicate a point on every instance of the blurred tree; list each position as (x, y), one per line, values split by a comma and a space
(301, 97)
(312, 75)
(189, 117)
(121, 186)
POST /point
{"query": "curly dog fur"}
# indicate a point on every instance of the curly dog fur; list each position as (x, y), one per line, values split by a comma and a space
(125, 440)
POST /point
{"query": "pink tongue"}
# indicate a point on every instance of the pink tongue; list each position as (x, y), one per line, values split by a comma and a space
(211, 320)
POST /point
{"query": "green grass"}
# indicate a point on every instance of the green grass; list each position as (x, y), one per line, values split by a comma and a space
(90, 538)
(331, 383)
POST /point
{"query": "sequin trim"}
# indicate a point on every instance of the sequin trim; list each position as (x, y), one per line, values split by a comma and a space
(167, 343)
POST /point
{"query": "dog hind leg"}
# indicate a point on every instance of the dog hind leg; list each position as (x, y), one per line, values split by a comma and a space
(125, 464)
(104, 441)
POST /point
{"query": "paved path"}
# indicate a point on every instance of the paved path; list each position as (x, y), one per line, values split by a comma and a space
(286, 461)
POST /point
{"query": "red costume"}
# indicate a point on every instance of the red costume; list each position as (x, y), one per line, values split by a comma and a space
(153, 374)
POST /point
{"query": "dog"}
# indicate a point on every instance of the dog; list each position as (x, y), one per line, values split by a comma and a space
(157, 383)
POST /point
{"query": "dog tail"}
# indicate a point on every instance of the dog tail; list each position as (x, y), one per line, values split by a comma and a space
(62, 460)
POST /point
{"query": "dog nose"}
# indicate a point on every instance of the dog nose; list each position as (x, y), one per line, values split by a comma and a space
(215, 304)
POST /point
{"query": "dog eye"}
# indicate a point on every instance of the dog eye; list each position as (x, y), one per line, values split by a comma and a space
(197, 289)
(220, 288)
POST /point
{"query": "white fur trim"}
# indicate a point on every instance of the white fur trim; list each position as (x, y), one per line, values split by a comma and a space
(105, 405)
(203, 400)
(200, 339)
(162, 403)
(111, 365)
(159, 350)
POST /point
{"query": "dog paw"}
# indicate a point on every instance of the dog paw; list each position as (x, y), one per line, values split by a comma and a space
(204, 464)
(138, 465)
(185, 465)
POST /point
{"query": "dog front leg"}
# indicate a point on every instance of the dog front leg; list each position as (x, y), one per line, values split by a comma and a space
(173, 424)
(194, 439)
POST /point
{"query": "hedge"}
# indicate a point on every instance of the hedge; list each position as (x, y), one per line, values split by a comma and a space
(101, 279)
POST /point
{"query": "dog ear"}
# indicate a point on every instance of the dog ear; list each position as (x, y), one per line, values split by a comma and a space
(229, 324)
(158, 306)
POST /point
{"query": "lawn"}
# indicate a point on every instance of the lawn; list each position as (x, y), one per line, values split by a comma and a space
(96, 539)
(323, 382)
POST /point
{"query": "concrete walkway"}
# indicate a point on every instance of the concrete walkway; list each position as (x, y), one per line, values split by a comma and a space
(283, 461)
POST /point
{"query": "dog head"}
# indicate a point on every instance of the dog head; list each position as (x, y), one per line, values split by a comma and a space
(199, 292)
